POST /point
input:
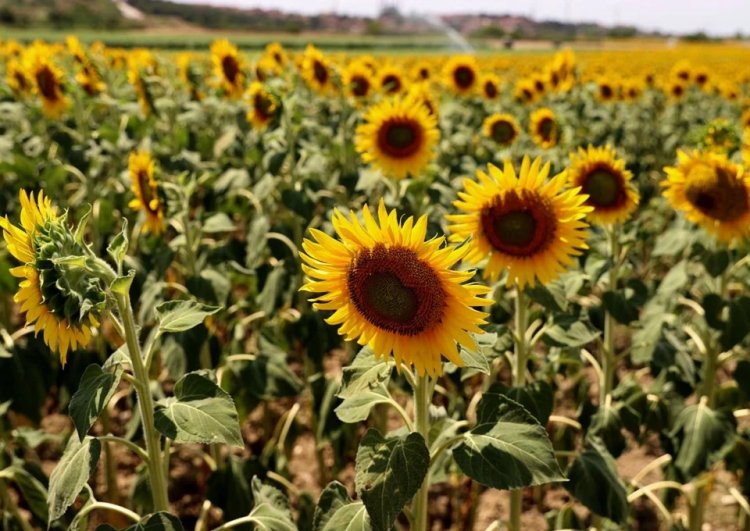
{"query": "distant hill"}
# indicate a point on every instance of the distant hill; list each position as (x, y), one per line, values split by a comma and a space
(99, 14)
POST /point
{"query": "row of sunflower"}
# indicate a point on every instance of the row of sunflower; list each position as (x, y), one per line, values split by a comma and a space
(540, 324)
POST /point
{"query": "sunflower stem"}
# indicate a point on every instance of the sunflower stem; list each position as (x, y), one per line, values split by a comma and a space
(519, 380)
(609, 360)
(142, 386)
(422, 399)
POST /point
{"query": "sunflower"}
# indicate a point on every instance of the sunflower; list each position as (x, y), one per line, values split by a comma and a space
(605, 89)
(392, 290)
(421, 71)
(712, 191)
(15, 77)
(357, 80)
(461, 74)
(135, 78)
(263, 106)
(89, 80)
(317, 71)
(62, 305)
(276, 51)
(490, 84)
(228, 68)
(46, 80)
(607, 183)
(398, 135)
(524, 224)
(391, 80)
(524, 91)
(502, 128)
(676, 89)
(745, 119)
(146, 190)
(543, 128)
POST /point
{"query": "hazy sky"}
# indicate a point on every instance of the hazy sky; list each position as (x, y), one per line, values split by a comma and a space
(717, 17)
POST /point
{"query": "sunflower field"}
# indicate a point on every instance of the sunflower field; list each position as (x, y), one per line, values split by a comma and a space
(337, 291)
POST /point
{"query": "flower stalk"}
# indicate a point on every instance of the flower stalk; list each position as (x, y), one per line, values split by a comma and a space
(609, 359)
(422, 399)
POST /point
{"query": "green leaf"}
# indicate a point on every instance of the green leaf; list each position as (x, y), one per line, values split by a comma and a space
(552, 297)
(606, 425)
(200, 411)
(366, 372)
(594, 481)
(701, 436)
(94, 392)
(389, 474)
(122, 284)
(357, 408)
(271, 511)
(620, 307)
(161, 521)
(716, 262)
(32, 490)
(537, 398)
(336, 511)
(118, 247)
(508, 448)
(71, 474)
(219, 222)
(178, 316)
(576, 334)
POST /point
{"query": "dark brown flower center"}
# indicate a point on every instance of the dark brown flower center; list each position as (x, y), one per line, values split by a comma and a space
(230, 67)
(464, 77)
(47, 83)
(263, 106)
(396, 291)
(424, 73)
(606, 91)
(400, 138)
(605, 188)
(716, 193)
(547, 129)
(391, 83)
(320, 72)
(490, 89)
(360, 86)
(503, 132)
(519, 223)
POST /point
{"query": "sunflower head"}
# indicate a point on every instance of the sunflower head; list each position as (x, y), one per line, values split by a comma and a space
(524, 91)
(58, 293)
(89, 80)
(228, 68)
(317, 70)
(490, 84)
(398, 136)
(358, 81)
(524, 224)
(276, 52)
(461, 74)
(148, 195)
(391, 80)
(263, 106)
(602, 176)
(544, 128)
(16, 78)
(712, 191)
(391, 289)
(502, 128)
(46, 79)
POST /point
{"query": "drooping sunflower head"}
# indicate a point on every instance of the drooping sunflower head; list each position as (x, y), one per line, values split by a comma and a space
(398, 136)
(490, 84)
(63, 301)
(523, 224)
(502, 128)
(712, 191)
(357, 80)
(228, 68)
(461, 74)
(544, 128)
(263, 106)
(317, 70)
(46, 79)
(391, 289)
(146, 189)
(602, 176)
(391, 80)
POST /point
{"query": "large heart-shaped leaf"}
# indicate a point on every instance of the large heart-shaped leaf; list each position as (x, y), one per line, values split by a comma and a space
(94, 392)
(71, 474)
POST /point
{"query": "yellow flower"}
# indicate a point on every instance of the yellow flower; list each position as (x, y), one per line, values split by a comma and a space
(391, 80)
(490, 84)
(228, 68)
(15, 76)
(316, 70)
(276, 51)
(712, 191)
(461, 74)
(607, 183)
(63, 306)
(146, 190)
(89, 80)
(135, 78)
(398, 136)
(357, 80)
(46, 80)
(502, 128)
(525, 225)
(263, 106)
(393, 291)
(543, 128)
(524, 91)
